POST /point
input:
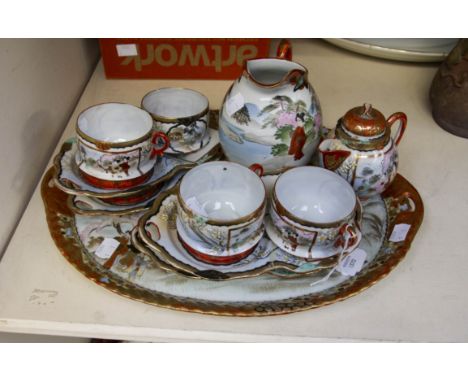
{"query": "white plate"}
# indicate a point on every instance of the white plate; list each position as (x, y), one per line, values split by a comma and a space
(412, 50)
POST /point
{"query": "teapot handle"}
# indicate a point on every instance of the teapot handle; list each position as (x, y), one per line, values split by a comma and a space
(403, 119)
(284, 50)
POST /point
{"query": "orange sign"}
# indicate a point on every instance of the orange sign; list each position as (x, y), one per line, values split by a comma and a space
(205, 58)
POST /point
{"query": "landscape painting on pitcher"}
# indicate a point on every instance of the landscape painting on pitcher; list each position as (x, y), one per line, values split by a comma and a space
(282, 131)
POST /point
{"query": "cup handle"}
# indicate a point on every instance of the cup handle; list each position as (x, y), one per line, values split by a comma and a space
(284, 50)
(350, 235)
(159, 151)
(403, 120)
(257, 169)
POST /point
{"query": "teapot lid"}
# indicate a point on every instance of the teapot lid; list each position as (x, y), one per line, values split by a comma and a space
(365, 121)
(364, 128)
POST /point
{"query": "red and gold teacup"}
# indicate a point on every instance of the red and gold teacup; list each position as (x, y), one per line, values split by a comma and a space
(117, 146)
(313, 207)
(220, 212)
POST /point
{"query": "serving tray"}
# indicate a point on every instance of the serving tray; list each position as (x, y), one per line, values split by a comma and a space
(138, 276)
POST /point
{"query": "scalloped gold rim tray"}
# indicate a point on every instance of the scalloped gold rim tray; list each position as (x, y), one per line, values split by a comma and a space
(388, 257)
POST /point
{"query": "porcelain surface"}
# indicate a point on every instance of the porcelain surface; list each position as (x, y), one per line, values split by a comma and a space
(159, 230)
(115, 144)
(205, 247)
(315, 195)
(368, 172)
(68, 178)
(403, 49)
(181, 114)
(141, 275)
(223, 204)
(270, 116)
(87, 205)
(365, 154)
(306, 251)
(313, 208)
(313, 242)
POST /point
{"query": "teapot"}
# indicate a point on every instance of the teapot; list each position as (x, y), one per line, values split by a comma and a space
(271, 116)
(363, 151)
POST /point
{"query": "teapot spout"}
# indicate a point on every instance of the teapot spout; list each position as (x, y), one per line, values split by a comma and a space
(331, 158)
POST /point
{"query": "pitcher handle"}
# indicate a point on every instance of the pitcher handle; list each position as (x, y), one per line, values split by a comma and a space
(284, 50)
(403, 120)
(257, 169)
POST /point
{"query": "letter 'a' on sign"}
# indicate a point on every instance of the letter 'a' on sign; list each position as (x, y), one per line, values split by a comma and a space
(176, 58)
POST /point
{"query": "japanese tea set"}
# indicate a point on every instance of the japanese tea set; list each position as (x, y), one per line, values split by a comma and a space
(221, 213)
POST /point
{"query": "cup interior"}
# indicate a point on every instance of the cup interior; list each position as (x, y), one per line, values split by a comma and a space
(315, 195)
(222, 191)
(115, 122)
(174, 103)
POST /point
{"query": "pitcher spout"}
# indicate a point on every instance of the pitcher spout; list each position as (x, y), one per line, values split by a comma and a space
(275, 72)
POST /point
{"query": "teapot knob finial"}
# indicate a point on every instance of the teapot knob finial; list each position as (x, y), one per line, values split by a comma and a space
(367, 109)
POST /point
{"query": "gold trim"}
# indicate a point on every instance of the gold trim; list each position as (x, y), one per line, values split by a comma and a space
(246, 72)
(56, 209)
(155, 250)
(127, 211)
(103, 145)
(282, 211)
(357, 220)
(242, 220)
(113, 194)
(356, 144)
(93, 147)
(189, 118)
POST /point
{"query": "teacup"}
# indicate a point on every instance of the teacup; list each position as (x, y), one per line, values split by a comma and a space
(220, 212)
(117, 146)
(181, 114)
(312, 206)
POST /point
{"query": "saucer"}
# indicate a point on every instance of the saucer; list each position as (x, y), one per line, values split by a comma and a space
(204, 252)
(304, 251)
(159, 238)
(87, 205)
(194, 147)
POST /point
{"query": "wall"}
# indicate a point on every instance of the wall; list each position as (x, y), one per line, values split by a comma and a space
(40, 83)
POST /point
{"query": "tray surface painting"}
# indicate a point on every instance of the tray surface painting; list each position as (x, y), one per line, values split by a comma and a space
(138, 276)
